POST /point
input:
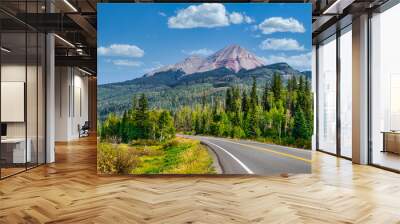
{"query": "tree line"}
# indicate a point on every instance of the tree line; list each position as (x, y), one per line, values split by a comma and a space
(280, 113)
(138, 122)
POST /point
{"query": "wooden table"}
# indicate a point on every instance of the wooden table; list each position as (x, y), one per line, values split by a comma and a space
(13, 150)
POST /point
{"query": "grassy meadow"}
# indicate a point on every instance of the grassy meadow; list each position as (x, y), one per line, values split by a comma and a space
(175, 156)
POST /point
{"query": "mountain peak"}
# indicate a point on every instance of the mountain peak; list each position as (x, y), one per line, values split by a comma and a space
(233, 50)
(233, 47)
(233, 57)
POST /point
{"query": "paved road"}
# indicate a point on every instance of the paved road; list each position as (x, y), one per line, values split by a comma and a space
(249, 157)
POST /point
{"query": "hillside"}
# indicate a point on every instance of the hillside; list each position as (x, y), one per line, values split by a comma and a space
(190, 81)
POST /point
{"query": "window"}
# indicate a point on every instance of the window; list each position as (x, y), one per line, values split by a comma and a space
(327, 95)
(385, 89)
(346, 92)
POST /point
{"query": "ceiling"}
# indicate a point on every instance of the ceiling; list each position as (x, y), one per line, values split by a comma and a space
(75, 22)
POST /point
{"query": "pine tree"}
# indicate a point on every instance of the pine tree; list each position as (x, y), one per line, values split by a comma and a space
(291, 94)
(245, 103)
(204, 99)
(134, 102)
(235, 99)
(228, 100)
(253, 95)
(123, 128)
(265, 101)
(300, 129)
(276, 86)
(197, 125)
(142, 117)
(165, 126)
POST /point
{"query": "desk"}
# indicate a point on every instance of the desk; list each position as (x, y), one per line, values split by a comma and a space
(13, 150)
(391, 141)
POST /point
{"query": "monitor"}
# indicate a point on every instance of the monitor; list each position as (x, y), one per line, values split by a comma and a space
(3, 129)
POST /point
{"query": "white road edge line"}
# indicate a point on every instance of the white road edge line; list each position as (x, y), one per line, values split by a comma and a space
(234, 157)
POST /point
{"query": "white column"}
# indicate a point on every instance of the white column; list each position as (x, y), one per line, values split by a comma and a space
(50, 98)
(314, 90)
(360, 90)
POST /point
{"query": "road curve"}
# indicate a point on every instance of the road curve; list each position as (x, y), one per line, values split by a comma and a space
(250, 157)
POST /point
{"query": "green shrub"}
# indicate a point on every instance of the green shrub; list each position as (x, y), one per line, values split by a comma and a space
(147, 142)
(171, 143)
(115, 159)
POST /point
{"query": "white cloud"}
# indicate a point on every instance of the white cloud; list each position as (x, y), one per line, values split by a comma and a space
(162, 14)
(207, 15)
(202, 51)
(248, 19)
(283, 44)
(236, 18)
(125, 50)
(279, 24)
(301, 62)
(123, 62)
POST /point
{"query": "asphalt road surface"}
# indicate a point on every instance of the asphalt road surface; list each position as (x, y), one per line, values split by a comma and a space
(249, 157)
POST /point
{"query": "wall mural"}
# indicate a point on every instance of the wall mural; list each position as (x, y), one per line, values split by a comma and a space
(204, 88)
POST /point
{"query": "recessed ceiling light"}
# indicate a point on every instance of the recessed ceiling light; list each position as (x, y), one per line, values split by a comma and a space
(70, 5)
(64, 40)
(84, 71)
(5, 50)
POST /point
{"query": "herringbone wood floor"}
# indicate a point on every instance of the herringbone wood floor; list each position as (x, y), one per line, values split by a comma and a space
(70, 191)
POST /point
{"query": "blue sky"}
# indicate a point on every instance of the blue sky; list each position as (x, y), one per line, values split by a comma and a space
(134, 39)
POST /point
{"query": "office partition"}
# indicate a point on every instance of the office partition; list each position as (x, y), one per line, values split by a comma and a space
(22, 77)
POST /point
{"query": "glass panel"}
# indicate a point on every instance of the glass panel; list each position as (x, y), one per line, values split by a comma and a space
(327, 95)
(41, 99)
(346, 92)
(13, 87)
(385, 84)
(31, 98)
(32, 89)
(23, 90)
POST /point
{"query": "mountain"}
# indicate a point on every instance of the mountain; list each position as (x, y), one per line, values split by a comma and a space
(233, 57)
(189, 81)
(308, 74)
(188, 66)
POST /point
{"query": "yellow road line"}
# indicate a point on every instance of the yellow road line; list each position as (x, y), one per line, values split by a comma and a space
(270, 150)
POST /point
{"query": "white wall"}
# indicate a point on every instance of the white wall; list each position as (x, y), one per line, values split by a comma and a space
(71, 103)
(12, 73)
(33, 126)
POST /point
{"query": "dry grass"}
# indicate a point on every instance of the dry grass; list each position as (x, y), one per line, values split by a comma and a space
(177, 156)
(194, 160)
